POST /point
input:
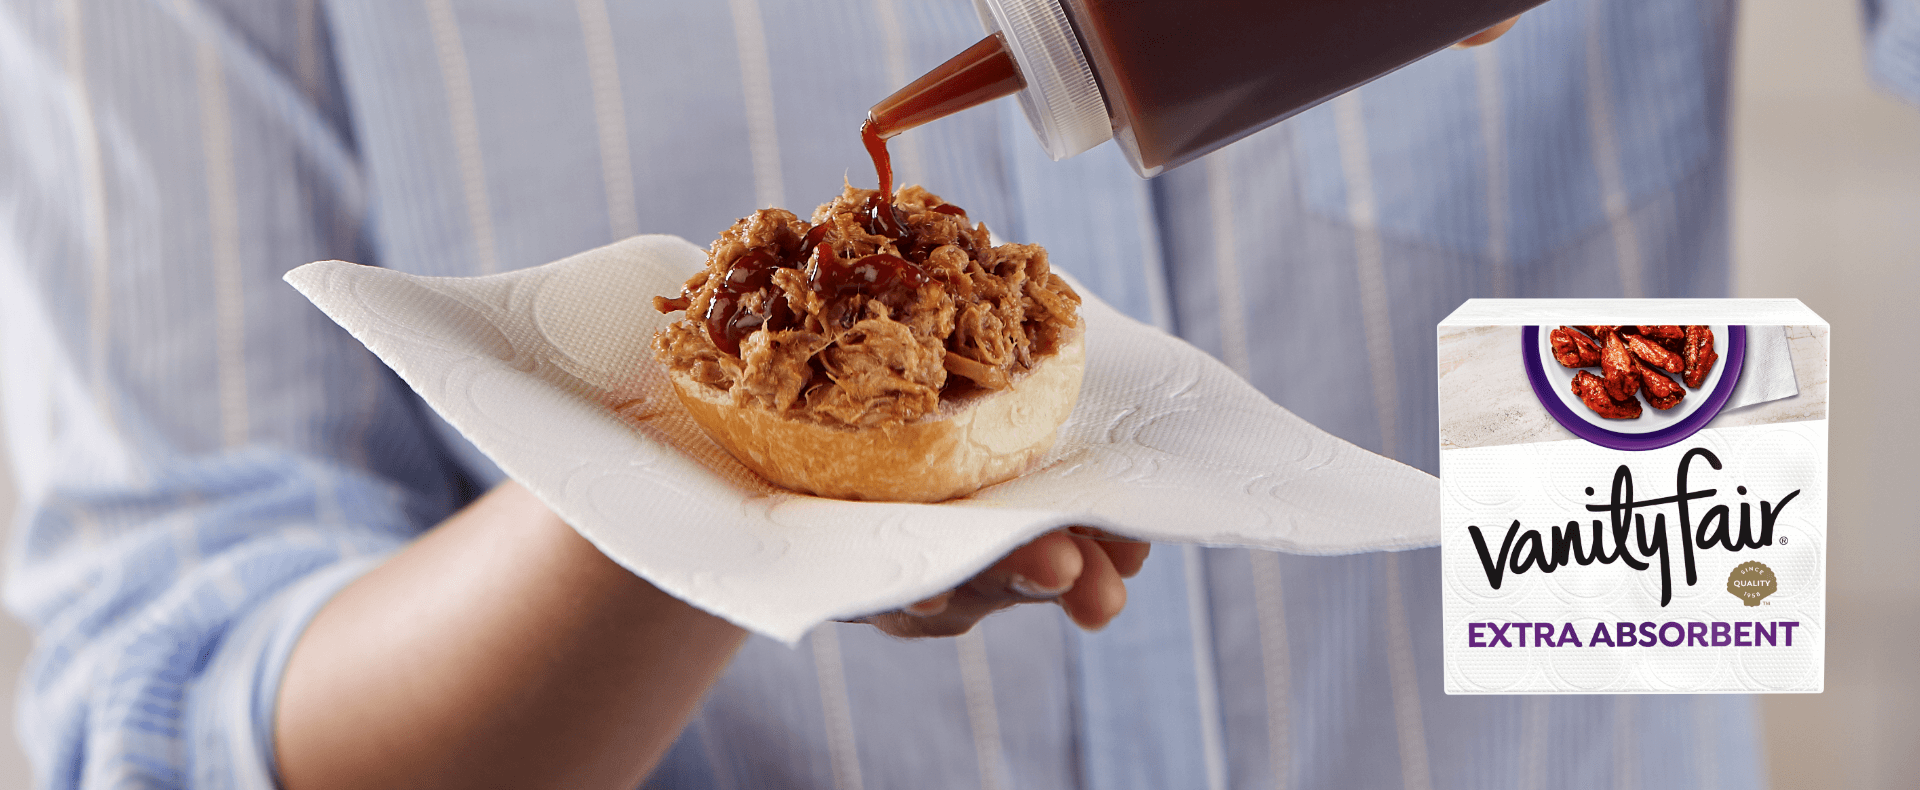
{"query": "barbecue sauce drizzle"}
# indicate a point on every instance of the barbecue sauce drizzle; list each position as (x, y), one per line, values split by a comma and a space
(728, 320)
(882, 218)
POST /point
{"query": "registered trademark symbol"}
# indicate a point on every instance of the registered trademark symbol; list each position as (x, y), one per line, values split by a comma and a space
(1783, 540)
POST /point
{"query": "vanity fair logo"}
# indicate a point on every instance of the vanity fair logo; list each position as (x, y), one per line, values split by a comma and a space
(1752, 581)
(1638, 540)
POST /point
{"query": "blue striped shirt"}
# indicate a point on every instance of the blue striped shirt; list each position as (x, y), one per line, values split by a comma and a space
(203, 458)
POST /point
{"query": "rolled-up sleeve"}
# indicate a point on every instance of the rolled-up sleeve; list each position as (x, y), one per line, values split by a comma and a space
(230, 718)
(202, 458)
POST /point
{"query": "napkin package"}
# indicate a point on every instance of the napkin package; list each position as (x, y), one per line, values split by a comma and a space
(1594, 543)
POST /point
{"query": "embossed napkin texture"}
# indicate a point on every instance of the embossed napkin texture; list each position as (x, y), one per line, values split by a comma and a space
(550, 372)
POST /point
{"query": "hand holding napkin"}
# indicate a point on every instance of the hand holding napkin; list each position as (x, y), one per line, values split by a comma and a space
(550, 371)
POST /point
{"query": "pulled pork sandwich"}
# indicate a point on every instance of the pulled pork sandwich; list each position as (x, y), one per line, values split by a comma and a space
(884, 350)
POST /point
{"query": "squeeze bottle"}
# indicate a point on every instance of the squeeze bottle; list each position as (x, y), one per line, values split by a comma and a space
(1172, 80)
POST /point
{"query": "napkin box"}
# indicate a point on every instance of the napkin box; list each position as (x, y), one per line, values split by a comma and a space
(1634, 496)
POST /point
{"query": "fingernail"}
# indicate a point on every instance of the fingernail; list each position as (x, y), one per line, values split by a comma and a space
(929, 607)
(1027, 587)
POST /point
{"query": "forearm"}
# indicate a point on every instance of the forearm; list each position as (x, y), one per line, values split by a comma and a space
(501, 649)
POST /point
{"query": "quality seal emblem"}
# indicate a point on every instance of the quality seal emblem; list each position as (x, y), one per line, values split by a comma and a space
(1752, 581)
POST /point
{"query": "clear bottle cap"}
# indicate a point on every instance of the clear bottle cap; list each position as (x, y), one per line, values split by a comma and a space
(1062, 100)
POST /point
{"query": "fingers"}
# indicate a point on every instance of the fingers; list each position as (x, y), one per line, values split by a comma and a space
(1127, 555)
(1127, 558)
(1099, 594)
(1039, 571)
(1042, 569)
(1488, 35)
(950, 621)
(931, 606)
(1081, 568)
(951, 613)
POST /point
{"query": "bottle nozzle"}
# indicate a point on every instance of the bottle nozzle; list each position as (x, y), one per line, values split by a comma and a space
(984, 72)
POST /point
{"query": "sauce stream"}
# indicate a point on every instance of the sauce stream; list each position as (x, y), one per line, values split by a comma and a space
(730, 318)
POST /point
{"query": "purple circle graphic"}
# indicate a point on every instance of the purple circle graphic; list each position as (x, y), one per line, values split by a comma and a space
(1734, 357)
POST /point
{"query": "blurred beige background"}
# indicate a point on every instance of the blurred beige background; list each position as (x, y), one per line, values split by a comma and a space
(1826, 209)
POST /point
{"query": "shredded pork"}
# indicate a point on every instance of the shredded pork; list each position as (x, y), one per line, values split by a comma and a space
(980, 316)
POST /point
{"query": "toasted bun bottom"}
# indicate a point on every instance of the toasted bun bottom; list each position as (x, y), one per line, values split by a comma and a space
(969, 444)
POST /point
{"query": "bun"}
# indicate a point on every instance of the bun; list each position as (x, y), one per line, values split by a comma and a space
(970, 442)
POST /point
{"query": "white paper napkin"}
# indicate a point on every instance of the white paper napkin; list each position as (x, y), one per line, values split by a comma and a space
(1767, 374)
(550, 372)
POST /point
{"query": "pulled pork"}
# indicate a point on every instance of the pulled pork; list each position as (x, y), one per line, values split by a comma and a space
(868, 314)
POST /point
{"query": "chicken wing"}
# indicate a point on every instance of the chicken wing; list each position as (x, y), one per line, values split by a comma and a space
(1573, 349)
(1655, 355)
(1662, 392)
(1616, 367)
(1699, 355)
(1671, 338)
(1593, 392)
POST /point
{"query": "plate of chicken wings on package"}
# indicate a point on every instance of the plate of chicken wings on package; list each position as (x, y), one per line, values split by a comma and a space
(1633, 387)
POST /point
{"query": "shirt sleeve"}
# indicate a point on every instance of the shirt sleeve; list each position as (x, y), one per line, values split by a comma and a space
(202, 458)
(230, 718)
(1893, 46)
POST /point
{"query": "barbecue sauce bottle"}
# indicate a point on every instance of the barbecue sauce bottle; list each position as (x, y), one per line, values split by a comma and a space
(1172, 80)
